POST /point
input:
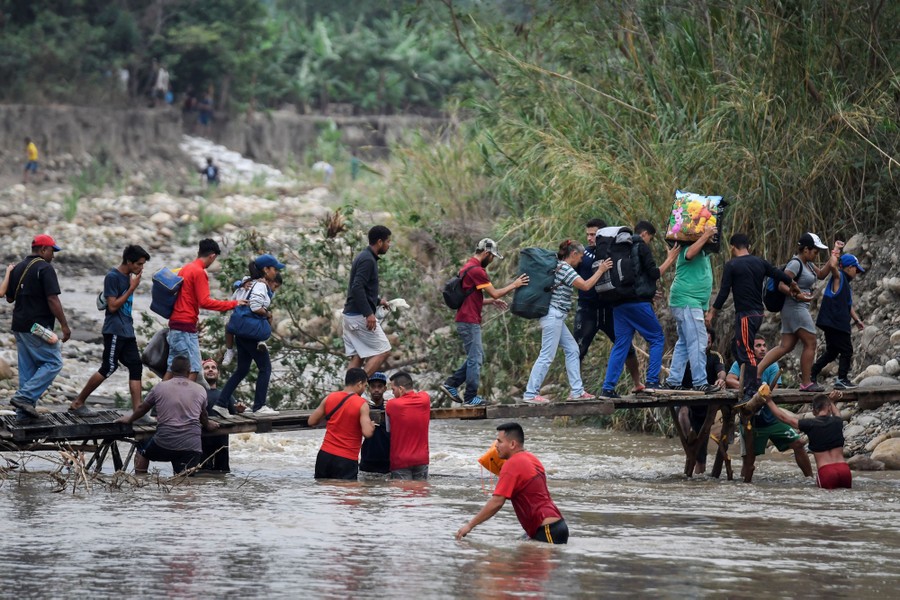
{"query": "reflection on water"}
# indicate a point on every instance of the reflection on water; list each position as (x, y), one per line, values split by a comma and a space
(638, 528)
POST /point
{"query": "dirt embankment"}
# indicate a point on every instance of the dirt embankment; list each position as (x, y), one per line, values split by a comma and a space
(149, 138)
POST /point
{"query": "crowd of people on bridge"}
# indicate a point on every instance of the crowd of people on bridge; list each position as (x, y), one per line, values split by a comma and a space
(398, 446)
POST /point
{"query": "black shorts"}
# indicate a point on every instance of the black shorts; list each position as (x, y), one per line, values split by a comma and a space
(329, 466)
(181, 460)
(215, 453)
(118, 349)
(554, 533)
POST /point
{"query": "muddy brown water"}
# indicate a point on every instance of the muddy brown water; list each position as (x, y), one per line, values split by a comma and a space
(638, 528)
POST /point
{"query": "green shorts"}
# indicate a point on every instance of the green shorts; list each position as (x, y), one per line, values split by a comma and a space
(781, 434)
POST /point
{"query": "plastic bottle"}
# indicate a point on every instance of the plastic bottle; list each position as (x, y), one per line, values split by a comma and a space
(48, 335)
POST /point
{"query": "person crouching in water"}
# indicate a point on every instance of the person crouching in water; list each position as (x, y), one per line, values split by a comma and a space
(826, 439)
(555, 333)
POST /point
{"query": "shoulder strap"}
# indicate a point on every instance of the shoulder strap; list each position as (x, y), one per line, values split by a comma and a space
(22, 278)
(340, 404)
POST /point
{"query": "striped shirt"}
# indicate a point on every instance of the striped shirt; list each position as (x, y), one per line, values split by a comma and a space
(562, 287)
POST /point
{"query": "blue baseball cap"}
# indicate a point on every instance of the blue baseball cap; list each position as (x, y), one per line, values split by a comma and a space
(848, 260)
(267, 260)
(378, 376)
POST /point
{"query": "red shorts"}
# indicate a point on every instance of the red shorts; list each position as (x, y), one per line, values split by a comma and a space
(833, 476)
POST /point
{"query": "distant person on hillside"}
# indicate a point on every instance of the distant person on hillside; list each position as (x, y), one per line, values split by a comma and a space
(327, 170)
(183, 337)
(826, 439)
(745, 275)
(210, 173)
(161, 85)
(524, 481)
(364, 340)
(475, 284)
(408, 418)
(835, 314)
(347, 422)
(205, 112)
(34, 289)
(119, 340)
(31, 160)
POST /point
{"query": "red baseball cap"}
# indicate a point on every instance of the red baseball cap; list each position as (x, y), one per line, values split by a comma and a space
(45, 240)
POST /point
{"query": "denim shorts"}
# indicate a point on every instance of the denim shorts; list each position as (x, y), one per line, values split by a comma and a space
(182, 343)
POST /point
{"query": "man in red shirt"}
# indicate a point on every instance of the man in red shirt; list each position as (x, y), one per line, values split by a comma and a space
(347, 421)
(194, 295)
(408, 416)
(468, 319)
(522, 480)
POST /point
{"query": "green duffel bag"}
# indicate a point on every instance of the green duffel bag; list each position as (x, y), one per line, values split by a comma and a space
(533, 300)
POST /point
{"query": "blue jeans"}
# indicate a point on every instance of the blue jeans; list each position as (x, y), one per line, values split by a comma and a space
(183, 343)
(39, 364)
(628, 318)
(470, 371)
(690, 347)
(248, 351)
(554, 334)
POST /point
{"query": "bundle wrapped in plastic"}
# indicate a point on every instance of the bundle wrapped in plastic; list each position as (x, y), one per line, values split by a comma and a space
(691, 213)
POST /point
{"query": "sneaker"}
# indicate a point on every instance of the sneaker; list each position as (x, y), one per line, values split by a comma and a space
(27, 407)
(265, 411)
(536, 400)
(221, 411)
(262, 347)
(705, 388)
(229, 356)
(476, 401)
(609, 394)
(844, 384)
(451, 391)
(812, 386)
(82, 411)
(583, 396)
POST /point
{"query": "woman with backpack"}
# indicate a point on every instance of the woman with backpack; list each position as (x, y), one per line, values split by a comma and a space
(251, 326)
(796, 321)
(553, 325)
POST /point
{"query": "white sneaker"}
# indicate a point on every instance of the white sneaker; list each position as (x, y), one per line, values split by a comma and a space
(221, 411)
(229, 356)
(265, 410)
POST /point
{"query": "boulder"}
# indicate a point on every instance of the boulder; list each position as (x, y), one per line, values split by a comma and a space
(160, 218)
(874, 443)
(870, 371)
(893, 284)
(861, 462)
(6, 370)
(866, 420)
(877, 381)
(855, 244)
(892, 367)
(895, 338)
(852, 431)
(888, 452)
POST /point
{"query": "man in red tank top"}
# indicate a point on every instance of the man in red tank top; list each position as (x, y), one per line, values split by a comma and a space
(409, 414)
(346, 417)
(522, 480)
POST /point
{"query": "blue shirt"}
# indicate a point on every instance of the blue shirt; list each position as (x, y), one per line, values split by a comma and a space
(120, 322)
(764, 416)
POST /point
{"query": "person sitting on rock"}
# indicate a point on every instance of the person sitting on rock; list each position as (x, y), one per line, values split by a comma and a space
(826, 439)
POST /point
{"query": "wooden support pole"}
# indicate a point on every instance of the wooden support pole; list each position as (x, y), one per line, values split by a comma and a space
(682, 437)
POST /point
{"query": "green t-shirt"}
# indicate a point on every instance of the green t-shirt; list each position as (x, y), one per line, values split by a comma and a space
(693, 281)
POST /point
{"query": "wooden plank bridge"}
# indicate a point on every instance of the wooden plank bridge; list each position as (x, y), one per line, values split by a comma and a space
(99, 433)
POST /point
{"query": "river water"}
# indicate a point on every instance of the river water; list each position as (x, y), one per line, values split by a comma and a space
(638, 528)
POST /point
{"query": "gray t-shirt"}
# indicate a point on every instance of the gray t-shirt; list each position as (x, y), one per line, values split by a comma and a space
(562, 287)
(120, 322)
(178, 403)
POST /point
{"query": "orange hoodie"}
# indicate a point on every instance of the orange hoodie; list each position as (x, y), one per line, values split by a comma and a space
(193, 296)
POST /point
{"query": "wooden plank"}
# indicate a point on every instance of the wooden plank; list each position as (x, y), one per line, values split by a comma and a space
(554, 409)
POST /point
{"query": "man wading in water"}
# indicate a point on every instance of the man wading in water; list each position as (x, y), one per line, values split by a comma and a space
(522, 480)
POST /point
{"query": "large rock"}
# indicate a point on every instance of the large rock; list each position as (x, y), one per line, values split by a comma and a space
(877, 381)
(855, 244)
(892, 367)
(895, 338)
(6, 370)
(888, 452)
(861, 462)
(852, 431)
(870, 371)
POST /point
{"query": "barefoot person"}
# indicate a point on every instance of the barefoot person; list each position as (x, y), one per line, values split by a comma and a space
(796, 322)
(826, 439)
(554, 332)
(524, 481)
(119, 340)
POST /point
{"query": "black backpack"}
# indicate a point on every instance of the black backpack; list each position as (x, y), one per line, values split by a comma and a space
(533, 300)
(773, 299)
(454, 294)
(616, 243)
